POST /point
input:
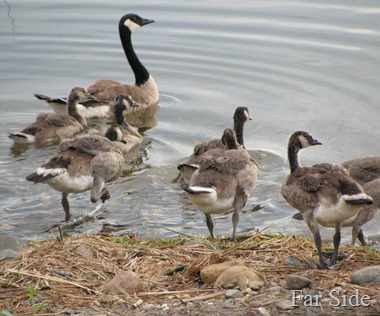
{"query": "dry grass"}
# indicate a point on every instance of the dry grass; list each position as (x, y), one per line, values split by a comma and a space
(67, 279)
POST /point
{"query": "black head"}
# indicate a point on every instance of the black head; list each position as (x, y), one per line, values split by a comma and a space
(133, 22)
(242, 114)
(302, 139)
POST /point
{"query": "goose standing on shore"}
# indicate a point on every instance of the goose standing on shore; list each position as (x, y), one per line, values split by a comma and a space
(222, 182)
(52, 127)
(81, 164)
(241, 116)
(366, 171)
(323, 193)
(144, 90)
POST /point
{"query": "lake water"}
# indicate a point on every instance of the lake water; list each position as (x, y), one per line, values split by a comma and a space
(297, 65)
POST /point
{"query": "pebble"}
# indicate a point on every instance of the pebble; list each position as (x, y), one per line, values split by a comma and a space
(256, 285)
(228, 303)
(210, 274)
(125, 282)
(285, 305)
(264, 311)
(297, 282)
(366, 275)
(148, 307)
(83, 251)
(233, 294)
(237, 276)
(7, 255)
(293, 261)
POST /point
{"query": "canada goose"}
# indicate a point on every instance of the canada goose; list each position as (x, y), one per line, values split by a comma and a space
(241, 115)
(144, 91)
(52, 127)
(222, 182)
(323, 193)
(81, 164)
(124, 136)
(366, 171)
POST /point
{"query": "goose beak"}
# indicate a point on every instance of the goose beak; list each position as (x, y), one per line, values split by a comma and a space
(134, 104)
(316, 142)
(146, 21)
(250, 118)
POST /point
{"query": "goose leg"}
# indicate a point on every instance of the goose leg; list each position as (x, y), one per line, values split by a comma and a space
(210, 225)
(235, 221)
(314, 228)
(336, 241)
(104, 195)
(361, 238)
(66, 206)
(97, 189)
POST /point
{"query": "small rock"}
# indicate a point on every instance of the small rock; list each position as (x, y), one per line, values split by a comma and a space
(273, 290)
(11, 242)
(366, 275)
(297, 282)
(164, 307)
(264, 311)
(237, 276)
(7, 255)
(148, 307)
(4, 312)
(293, 261)
(256, 285)
(233, 294)
(285, 305)
(228, 304)
(210, 273)
(309, 312)
(83, 251)
(123, 283)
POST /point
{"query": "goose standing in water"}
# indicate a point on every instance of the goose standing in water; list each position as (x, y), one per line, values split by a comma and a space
(222, 181)
(241, 116)
(144, 90)
(323, 193)
(52, 127)
(82, 164)
(124, 136)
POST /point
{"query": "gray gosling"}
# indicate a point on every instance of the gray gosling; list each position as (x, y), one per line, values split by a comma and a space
(52, 127)
(143, 91)
(323, 193)
(82, 164)
(241, 116)
(222, 182)
(124, 136)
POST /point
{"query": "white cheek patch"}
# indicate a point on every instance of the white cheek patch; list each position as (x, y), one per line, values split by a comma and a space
(131, 25)
(247, 116)
(304, 142)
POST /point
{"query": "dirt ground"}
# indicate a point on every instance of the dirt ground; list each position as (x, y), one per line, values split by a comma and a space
(52, 278)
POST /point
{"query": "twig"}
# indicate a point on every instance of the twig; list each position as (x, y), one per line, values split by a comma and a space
(51, 279)
(202, 297)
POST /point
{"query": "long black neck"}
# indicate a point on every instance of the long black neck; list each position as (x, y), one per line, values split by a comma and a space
(141, 73)
(293, 157)
(239, 129)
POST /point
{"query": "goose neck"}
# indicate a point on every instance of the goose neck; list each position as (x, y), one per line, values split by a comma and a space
(239, 130)
(141, 73)
(293, 158)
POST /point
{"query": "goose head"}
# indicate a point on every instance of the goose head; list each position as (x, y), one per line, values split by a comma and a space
(241, 115)
(133, 22)
(297, 141)
(76, 96)
(121, 106)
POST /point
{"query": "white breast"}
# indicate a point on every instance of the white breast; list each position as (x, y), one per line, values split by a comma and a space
(64, 183)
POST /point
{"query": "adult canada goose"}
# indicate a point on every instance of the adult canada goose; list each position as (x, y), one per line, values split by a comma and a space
(124, 136)
(143, 91)
(366, 171)
(222, 182)
(52, 127)
(241, 116)
(323, 193)
(81, 164)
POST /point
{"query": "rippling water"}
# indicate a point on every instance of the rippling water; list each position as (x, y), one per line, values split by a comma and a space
(310, 65)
